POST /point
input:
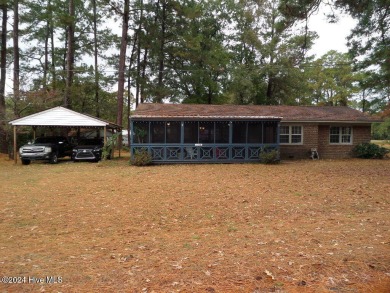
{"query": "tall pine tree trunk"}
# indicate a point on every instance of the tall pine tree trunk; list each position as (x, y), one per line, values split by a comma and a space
(143, 76)
(129, 87)
(160, 93)
(95, 44)
(122, 62)
(137, 42)
(53, 58)
(138, 78)
(270, 99)
(16, 58)
(70, 56)
(3, 64)
(46, 58)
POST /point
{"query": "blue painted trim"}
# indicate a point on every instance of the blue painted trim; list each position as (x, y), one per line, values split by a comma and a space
(203, 153)
(206, 152)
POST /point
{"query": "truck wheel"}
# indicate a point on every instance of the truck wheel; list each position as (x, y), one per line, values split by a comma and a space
(26, 162)
(54, 159)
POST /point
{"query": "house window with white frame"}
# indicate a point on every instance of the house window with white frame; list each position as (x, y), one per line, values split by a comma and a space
(340, 135)
(291, 134)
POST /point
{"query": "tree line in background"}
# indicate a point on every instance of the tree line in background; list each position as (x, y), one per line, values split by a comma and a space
(102, 56)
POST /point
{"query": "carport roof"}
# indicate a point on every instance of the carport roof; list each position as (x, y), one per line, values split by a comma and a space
(61, 117)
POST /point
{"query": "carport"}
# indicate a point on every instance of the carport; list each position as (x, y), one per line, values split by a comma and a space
(60, 117)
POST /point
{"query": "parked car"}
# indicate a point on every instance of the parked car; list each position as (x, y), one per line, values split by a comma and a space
(48, 148)
(88, 149)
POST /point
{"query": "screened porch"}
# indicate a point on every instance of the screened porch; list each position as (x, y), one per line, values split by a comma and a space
(204, 140)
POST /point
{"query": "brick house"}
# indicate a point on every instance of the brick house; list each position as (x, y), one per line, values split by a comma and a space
(237, 133)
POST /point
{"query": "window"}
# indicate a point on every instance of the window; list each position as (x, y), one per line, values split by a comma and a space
(284, 134)
(341, 135)
(291, 134)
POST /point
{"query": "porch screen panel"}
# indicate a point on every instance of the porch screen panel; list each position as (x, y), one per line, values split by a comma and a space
(157, 132)
(141, 131)
(190, 132)
(206, 132)
(222, 132)
(270, 132)
(173, 132)
(255, 132)
(239, 132)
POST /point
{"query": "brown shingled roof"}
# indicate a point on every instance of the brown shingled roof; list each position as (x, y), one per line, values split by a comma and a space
(287, 113)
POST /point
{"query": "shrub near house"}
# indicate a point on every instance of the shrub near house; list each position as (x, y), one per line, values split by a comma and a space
(370, 151)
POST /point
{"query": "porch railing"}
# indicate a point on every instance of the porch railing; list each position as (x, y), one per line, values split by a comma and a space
(203, 152)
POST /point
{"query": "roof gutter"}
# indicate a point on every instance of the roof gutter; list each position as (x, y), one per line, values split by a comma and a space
(152, 117)
(331, 121)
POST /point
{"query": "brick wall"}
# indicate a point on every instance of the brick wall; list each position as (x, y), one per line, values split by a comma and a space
(301, 151)
(317, 136)
(337, 151)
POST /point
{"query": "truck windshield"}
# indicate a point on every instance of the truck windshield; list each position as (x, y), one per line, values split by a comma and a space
(49, 139)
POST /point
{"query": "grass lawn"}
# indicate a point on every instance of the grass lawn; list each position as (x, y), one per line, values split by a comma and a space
(382, 143)
(300, 226)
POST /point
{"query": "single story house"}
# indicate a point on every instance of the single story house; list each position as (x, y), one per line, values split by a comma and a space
(237, 133)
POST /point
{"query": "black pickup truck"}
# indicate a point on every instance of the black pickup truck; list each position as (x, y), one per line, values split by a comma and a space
(48, 148)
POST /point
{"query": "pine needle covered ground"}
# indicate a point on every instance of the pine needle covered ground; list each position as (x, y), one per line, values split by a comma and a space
(300, 226)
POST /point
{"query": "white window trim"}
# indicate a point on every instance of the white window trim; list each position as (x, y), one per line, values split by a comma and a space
(340, 136)
(290, 135)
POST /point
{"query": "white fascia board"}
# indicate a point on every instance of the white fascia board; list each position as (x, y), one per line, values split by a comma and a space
(59, 116)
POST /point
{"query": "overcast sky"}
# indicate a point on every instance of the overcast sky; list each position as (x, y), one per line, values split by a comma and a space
(331, 36)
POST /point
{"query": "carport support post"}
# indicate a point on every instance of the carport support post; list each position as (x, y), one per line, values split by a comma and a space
(105, 137)
(15, 144)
